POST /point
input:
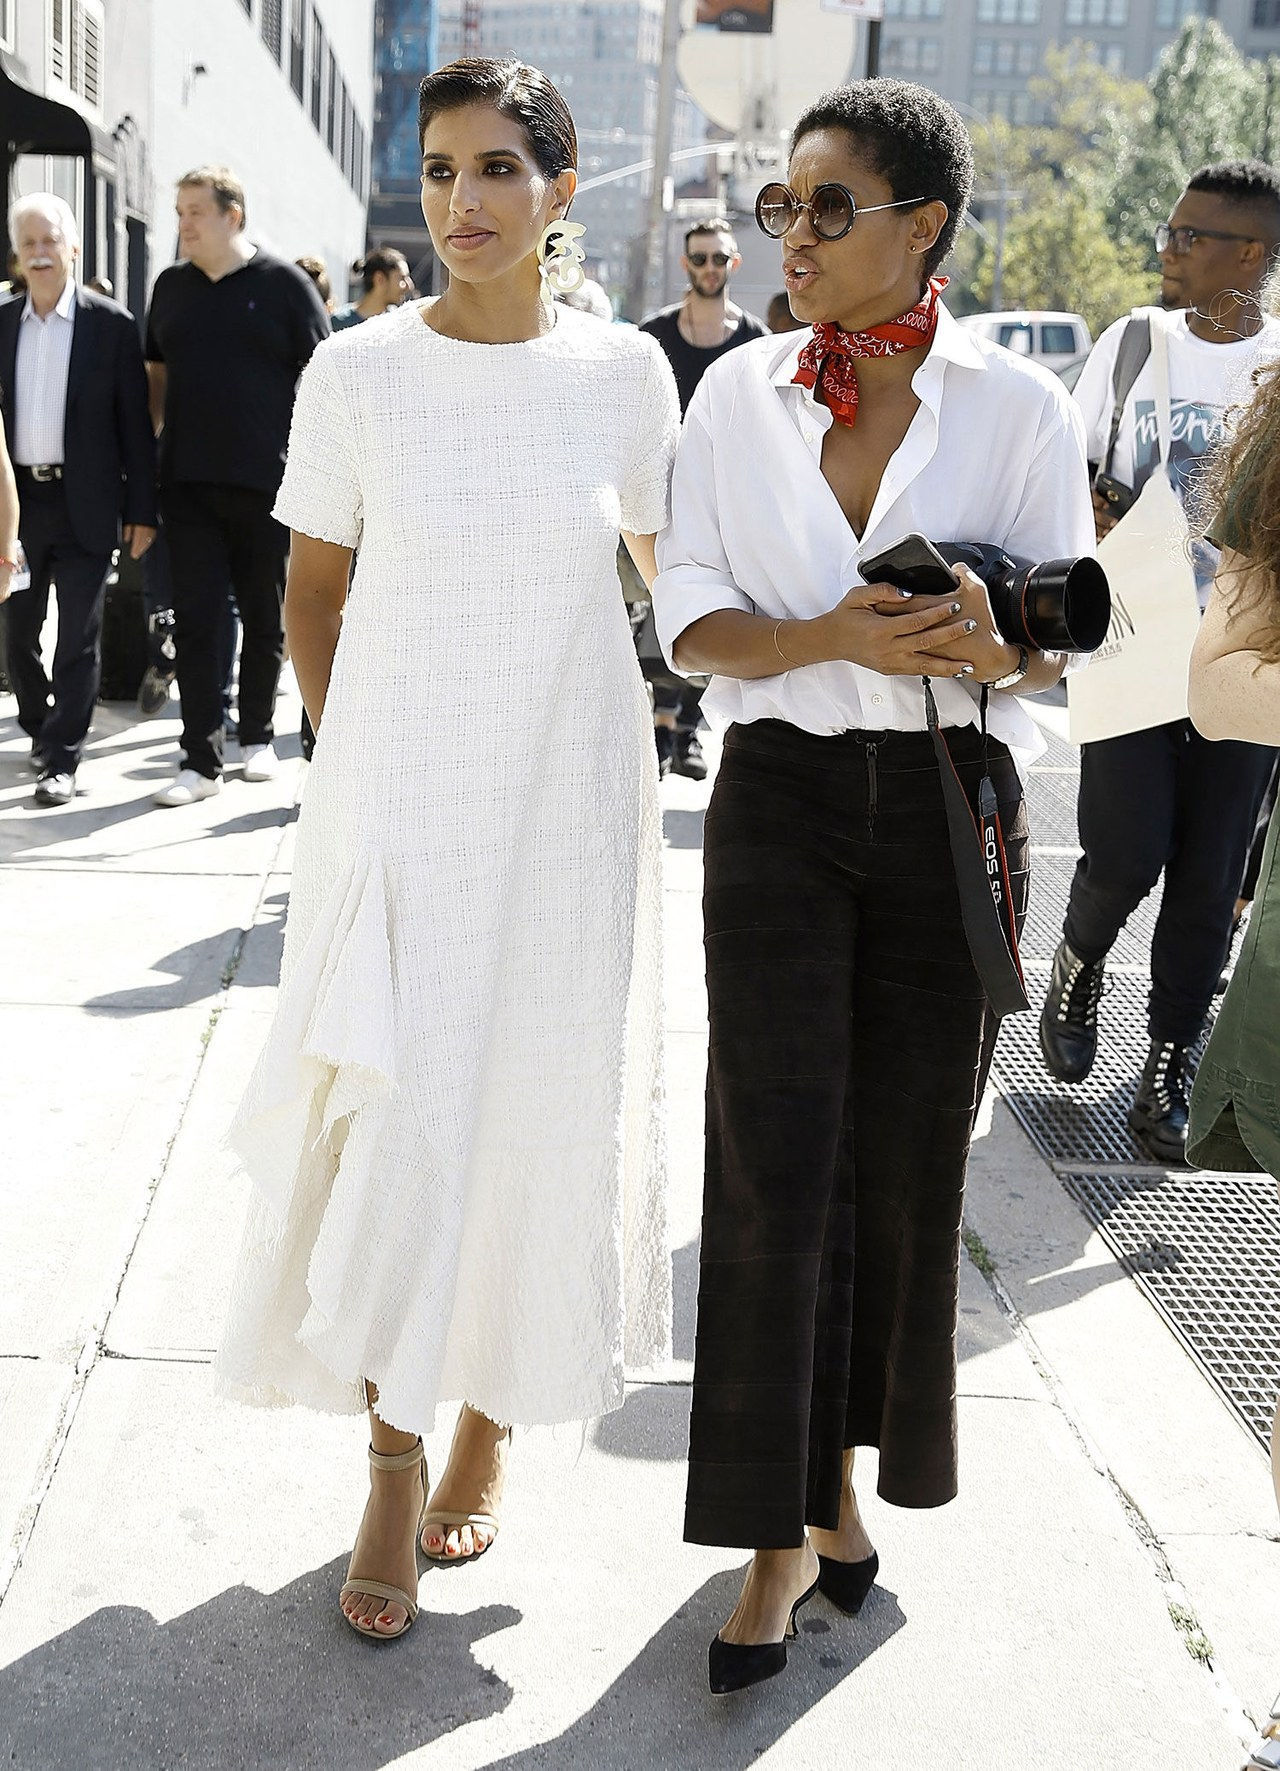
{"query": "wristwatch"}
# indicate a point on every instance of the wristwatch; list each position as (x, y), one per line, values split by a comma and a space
(1016, 675)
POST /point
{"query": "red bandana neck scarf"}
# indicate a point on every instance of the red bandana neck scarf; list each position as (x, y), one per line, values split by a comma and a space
(827, 362)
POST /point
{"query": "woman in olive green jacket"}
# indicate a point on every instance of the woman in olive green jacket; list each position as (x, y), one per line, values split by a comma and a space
(1234, 692)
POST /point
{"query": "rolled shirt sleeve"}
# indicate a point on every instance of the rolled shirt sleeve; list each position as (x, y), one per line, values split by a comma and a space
(694, 578)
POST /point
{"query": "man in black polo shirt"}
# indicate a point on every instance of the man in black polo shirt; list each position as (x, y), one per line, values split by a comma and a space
(693, 333)
(228, 334)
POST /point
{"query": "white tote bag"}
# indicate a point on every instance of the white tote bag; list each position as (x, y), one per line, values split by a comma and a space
(1138, 676)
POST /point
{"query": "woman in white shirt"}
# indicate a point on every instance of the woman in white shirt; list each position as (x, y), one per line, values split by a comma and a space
(850, 1033)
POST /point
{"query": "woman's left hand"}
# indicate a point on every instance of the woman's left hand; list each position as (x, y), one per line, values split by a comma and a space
(990, 655)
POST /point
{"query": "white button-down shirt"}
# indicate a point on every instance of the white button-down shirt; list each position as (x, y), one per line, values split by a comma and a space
(995, 453)
(40, 380)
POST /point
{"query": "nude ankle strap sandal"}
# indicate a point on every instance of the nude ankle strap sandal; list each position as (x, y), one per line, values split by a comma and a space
(448, 1522)
(400, 1460)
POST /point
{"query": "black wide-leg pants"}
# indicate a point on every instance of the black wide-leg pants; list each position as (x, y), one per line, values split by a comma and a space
(849, 1044)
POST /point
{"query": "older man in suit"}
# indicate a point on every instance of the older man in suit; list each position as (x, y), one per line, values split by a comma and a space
(74, 395)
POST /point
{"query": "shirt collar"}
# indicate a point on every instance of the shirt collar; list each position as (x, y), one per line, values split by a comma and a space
(952, 343)
(65, 303)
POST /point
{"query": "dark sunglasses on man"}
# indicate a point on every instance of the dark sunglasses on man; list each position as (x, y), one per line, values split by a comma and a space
(718, 259)
(1179, 241)
(832, 210)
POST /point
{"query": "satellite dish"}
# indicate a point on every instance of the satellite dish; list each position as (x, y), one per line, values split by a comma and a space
(756, 85)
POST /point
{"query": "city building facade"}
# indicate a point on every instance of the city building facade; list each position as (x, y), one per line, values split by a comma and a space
(108, 102)
(982, 53)
(603, 55)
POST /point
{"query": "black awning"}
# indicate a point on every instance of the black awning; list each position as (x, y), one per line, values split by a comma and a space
(30, 123)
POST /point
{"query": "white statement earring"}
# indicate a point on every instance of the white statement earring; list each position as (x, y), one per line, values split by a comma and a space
(560, 260)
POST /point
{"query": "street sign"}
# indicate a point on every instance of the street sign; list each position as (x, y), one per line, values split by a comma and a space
(871, 10)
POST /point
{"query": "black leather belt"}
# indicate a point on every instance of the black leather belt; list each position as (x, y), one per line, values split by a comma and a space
(44, 471)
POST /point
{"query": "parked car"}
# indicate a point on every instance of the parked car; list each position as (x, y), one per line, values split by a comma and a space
(1048, 338)
(1069, 372)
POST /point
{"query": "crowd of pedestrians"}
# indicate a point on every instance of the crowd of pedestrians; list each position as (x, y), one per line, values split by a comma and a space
(470, 977)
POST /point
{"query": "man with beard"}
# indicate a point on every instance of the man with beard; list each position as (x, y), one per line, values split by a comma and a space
(694, 333)
(1165, 800)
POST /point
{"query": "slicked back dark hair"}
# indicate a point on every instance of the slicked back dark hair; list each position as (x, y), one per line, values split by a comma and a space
(1243, 181)
(515, 90)
(382, 258)
(715, 224)
(912, 138)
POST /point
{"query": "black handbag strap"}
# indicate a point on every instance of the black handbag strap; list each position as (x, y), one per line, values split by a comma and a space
(982, 872)
(1131, 354)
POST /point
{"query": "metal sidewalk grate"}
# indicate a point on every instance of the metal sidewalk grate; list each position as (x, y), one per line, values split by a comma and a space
(1204, 1247)
(1206, 1250)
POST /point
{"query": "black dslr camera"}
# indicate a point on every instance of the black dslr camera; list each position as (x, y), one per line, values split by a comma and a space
(1053, 606)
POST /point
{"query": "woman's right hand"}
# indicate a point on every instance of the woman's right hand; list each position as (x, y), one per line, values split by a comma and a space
(896, 633)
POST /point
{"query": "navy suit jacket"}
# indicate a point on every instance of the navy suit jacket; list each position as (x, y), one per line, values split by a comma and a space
(109, 448)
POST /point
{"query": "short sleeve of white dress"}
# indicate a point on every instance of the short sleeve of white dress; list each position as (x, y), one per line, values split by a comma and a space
(646, 489)
(320, 493)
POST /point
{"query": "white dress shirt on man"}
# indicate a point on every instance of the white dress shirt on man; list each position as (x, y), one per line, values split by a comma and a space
(40, 381)
(995, 453)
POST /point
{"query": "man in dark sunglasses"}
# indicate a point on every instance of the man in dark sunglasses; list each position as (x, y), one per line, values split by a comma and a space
(1162, 800)
(693, 333)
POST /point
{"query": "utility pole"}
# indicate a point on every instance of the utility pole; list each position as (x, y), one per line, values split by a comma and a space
(652, 280)
(873, 49)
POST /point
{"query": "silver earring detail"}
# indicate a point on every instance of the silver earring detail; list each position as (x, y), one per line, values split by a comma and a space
(560, 260)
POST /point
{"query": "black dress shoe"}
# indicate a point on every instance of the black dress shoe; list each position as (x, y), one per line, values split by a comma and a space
(688, 758)
(665, 739)
(1158, 1116)
(1069, 1018)
(733, 1666)
(847, 1584)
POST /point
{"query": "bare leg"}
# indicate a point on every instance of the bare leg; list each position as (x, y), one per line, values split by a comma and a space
(385, 1546)
(472, 1483)
(849, 1541)
(775, 1580)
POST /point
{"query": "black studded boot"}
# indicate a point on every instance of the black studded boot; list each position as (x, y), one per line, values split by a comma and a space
(1069, 1018)
(1158, 1116)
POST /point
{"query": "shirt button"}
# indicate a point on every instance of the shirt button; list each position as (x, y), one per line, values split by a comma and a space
(877, 700)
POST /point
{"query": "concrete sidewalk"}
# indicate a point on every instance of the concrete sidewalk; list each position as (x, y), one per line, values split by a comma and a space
(169, 1563)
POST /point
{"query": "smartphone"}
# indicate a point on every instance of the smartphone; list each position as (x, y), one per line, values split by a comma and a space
(914, 564)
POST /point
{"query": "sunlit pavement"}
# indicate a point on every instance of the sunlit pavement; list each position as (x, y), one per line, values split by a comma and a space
(169, 1564)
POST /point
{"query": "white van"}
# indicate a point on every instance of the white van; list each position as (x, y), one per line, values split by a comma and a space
(1051, 339)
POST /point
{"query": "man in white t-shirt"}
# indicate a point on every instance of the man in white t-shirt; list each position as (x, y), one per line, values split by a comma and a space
(1165, 799)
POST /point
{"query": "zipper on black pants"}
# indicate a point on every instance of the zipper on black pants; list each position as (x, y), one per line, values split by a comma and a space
(873, 788)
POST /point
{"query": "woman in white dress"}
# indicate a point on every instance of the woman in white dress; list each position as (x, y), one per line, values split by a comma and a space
(454, 1130)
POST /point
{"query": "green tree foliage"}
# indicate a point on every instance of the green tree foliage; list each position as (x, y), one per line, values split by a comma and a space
(1085, 189)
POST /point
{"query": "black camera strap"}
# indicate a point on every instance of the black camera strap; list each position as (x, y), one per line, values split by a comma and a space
(982, 871)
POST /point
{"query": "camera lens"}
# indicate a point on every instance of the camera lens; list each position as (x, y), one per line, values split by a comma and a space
(1065, 605)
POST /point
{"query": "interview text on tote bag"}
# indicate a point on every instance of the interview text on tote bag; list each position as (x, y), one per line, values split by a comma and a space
(1138, 676)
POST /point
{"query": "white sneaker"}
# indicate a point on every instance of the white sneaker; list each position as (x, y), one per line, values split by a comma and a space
(188, 788)
(260, 762)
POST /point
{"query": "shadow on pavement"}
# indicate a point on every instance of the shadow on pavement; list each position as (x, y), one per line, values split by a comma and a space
(682, 829)
(247, 1679)
(659, 1712)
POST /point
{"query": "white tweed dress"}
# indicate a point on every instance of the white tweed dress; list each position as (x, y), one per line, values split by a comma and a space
(454, 1133)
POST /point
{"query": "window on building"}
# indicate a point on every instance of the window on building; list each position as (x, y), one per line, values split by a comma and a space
(930, 55)
(298, 46)
(331, 88)
(1009, 12)
(75, 40)
(273, 27)
(1266, 15)
(1171, 13)
(984, 55)
(317, 70)
(1097, 12)
(913, 8)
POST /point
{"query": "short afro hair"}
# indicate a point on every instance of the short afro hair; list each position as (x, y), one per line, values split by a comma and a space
(911, 138)
(1250, 182)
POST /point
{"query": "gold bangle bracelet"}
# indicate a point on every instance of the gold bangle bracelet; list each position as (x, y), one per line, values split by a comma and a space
(777, 646)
